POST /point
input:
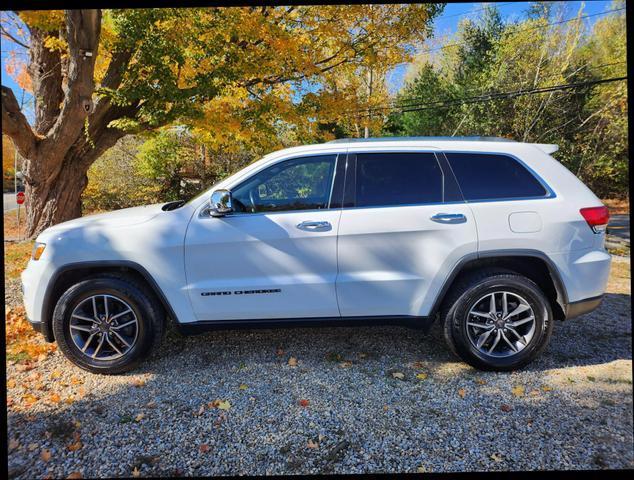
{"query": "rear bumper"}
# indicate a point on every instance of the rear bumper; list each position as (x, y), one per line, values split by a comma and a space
(576, 309)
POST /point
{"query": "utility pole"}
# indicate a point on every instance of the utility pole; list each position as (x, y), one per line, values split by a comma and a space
(15, 169)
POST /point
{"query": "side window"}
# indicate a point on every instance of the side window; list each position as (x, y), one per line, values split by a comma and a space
(398, 179)
(484, 176)
(298, 184)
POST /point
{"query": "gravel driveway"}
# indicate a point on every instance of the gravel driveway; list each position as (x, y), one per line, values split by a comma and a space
(230, 403)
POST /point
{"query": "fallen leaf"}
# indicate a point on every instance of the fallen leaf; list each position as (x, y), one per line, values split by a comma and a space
(421, 376)
(546, 388)
(292, 362)
(479, 381)
(505, 408)
(77, 424)
(76, 381)
(45, 455)
(398, 375)
(139, 382)
(518, 390)
(55, 398)
(496, 458)
(421, 469)
(56, 374)
(204, 448)
(303, 402)
(224, 405)
(385, 408)
(29, 399)
(11, 383)
(201, 410)
(345, 364)
(243, 386)
(74, 446)
(74, 475)
(462, 392)
(139, 417)
(312, 444)
(13, 444)
(41, 357)
(136, 472)
(69, 400)
(534, 393)
(32, 446)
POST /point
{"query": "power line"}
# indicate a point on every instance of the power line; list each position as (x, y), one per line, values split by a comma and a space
(499, 96)
(412, 101)
(540, 27)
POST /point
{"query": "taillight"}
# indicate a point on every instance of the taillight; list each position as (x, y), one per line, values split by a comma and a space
(597, 217)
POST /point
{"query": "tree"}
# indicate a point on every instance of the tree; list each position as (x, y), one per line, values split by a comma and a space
(99, 75)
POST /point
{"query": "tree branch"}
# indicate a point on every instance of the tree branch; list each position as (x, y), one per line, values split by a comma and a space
(15, 124)
(6, 33)
(83, 29)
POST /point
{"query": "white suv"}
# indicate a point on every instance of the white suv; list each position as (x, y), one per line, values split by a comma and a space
(494, 237)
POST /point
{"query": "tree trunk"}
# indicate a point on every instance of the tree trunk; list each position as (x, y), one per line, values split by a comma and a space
(55, 201)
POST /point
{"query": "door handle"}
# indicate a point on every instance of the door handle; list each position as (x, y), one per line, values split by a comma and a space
(449, 218)
(314, 226)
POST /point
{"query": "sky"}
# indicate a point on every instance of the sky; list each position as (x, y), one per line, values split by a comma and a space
(444, 25)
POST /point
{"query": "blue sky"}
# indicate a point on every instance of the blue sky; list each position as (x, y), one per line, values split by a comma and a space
(444, 25)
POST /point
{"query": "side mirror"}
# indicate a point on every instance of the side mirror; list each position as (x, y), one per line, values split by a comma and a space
(221, 203)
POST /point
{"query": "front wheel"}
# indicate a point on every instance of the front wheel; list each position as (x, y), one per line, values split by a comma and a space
(107, 324)
(497, 320)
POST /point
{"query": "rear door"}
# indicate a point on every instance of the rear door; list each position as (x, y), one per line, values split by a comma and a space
(403, 227)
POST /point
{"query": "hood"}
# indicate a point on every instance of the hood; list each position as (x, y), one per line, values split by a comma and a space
(117, 218)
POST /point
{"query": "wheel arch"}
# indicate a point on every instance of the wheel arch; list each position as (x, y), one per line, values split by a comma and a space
(68, 275)
(533, 264)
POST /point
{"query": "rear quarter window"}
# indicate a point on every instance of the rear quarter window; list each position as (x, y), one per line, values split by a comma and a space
(485, 176)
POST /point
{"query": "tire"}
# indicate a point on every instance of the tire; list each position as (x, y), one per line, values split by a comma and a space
(119, 294)
(473, 294)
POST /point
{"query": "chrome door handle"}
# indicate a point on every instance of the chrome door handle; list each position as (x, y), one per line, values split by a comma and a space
(449, 218)
(314, 226)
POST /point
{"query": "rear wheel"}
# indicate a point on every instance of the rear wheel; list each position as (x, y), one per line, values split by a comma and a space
(107, 324)
(497, 320)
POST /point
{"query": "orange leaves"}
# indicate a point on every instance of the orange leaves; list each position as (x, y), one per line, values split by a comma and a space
(462, 392)
(23, 343)
(16, 68)
(303, 402)
(204, 448)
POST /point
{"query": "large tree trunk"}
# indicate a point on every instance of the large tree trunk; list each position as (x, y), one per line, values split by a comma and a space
(59, 200)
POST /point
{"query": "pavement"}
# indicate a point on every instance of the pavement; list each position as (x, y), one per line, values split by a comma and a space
(9, 202)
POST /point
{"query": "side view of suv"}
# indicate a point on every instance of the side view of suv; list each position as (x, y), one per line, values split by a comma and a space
(494, 238)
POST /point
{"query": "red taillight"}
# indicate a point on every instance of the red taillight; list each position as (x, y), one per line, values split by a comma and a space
(597, 217)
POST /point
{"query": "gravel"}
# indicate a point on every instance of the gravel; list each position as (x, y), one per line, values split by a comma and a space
(570, 409)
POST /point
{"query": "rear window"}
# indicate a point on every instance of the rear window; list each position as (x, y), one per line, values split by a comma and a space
(398, 179)
(485, 176)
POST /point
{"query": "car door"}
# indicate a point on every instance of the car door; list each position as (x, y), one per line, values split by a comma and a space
(404, 227)
(276, 255)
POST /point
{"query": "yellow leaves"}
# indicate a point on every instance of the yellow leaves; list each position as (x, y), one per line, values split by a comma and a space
(56, 44)
(29, 399)
(242, 386)
(11, 383)
(224, 405)
(421, 376)
(139, 417)
(546, 388)
(292, 362)
(54, 398)
(518, 391)
(220, 404)
(47, 20)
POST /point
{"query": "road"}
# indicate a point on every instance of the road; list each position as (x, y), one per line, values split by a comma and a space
(9, 201)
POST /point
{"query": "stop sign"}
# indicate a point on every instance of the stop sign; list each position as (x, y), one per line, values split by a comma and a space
(19, 197)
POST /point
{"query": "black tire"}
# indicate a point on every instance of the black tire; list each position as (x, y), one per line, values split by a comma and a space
(478, 284)
(148, 311)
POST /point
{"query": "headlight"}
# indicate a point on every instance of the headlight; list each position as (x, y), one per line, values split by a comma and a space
(38, 249)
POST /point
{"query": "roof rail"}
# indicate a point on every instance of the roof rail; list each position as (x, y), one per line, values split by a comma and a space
(409, 139)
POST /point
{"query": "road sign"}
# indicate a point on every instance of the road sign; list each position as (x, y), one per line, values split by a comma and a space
(20, 197)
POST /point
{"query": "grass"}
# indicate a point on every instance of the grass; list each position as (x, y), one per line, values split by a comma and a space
(16, 256)
(11, 224)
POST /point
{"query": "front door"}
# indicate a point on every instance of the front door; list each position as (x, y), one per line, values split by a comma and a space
(276, 255)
